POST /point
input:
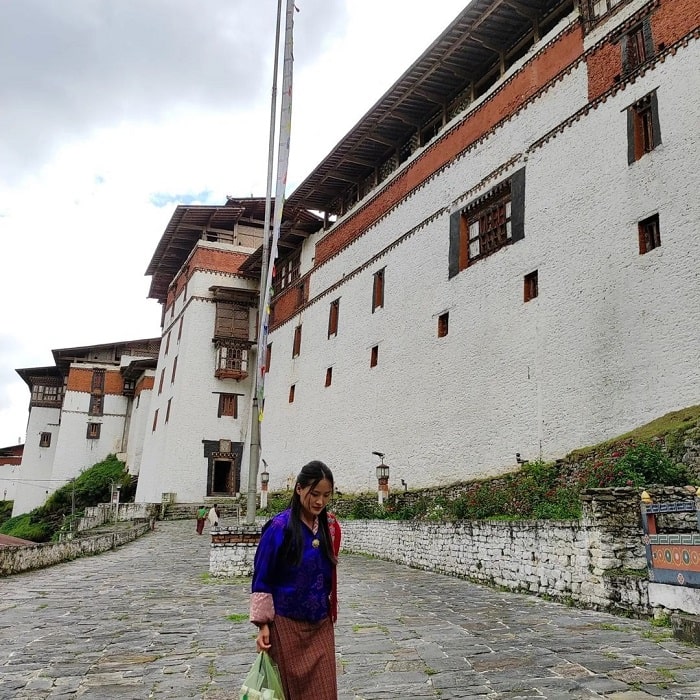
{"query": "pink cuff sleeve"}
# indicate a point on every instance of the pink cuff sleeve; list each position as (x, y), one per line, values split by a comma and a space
(262, 608)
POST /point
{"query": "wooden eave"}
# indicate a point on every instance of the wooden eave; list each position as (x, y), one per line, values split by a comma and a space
(466, 56)
(189, 224)
(40, 375)
(64, 357)
(136, 368)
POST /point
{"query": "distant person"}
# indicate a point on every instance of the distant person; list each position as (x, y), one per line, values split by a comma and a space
(214, 516)
(201, 518)
(294, 600)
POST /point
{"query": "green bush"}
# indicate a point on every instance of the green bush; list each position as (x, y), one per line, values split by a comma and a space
(276, 503)
(363, 509)
(89, 488)
(646, 464)
(5, 511)
(541, 490)
(27, 527)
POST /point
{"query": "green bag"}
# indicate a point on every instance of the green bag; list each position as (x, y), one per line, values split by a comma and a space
(263, 681)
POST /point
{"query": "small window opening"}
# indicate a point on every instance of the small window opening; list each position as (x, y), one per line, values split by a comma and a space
(530, 286)
(296, 346)
(649, 234)
(378, 290)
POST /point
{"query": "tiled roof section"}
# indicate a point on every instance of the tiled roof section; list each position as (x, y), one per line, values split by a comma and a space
(9, 541)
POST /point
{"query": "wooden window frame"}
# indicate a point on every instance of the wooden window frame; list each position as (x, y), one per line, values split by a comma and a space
(287, 272)
(378, 285)
(329, 377)
(333, 313)
(162, 378)
(47, 395)
(374, 356)
(637, 46)
(487, 224)
(167, 344)
(232, 320)
(155, 421)
(172, 375)
(296, 342)
(268, 357)
(531, 288)
(443, 324)
(649, 234)
(93, 431)
(643, 127)
(487, 228)
(97, 405)
(597, 9)
(303, 292)
(45, 439)
(292, 392)
(167, 410)
(231, 360)
(97, 383)
(228, 405)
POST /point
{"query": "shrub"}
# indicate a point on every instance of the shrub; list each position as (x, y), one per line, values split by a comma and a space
(89, 488)
(5, 511)
(363, 509)
(646, 464)
(276, 503)
(27, 527)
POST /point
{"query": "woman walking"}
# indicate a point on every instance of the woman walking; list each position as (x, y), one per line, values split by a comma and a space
(294, 598)
(201, 519)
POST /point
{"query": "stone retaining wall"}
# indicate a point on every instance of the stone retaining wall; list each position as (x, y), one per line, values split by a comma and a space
(233, 549)
(597, 562)
(15, 560)
(98, 515)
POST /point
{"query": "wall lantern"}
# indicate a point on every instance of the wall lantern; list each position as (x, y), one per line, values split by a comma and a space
(264, 481)
(382, 479)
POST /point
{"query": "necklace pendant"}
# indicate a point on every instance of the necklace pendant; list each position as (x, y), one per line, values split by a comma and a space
(315, 543)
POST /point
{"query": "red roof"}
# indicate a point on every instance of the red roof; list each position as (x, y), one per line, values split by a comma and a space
(9, 541)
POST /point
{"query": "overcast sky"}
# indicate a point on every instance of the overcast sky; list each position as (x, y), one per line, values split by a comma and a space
(112, 112)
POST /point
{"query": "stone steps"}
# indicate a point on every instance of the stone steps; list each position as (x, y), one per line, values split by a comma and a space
(231, 509)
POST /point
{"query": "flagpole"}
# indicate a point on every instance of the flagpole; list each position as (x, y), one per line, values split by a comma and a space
(258, 380)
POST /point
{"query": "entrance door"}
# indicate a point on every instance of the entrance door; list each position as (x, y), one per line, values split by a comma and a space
(224, 477)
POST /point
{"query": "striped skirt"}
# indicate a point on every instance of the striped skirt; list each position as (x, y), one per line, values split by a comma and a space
(305, 655)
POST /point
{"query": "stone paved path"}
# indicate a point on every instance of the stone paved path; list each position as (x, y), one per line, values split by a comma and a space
(145, 621)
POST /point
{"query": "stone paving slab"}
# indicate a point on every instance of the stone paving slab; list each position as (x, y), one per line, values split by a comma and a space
(146, 621)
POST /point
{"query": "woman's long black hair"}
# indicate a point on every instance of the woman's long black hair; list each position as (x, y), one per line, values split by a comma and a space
(309, 476)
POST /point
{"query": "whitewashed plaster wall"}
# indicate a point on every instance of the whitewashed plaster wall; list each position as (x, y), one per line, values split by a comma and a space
(140, 411)
(173, 455)
(37, 462)
(74, 452)
(610, 343)
(9, 476)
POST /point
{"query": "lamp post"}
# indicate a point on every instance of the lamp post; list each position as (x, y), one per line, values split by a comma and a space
(382, 479)
(264, 481)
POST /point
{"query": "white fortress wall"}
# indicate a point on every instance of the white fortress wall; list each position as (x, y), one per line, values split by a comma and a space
(173, 456)
(583, 361)
(75, 452)
(37, 462)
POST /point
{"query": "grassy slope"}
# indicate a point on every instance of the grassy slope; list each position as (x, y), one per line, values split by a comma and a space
(92, 486)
